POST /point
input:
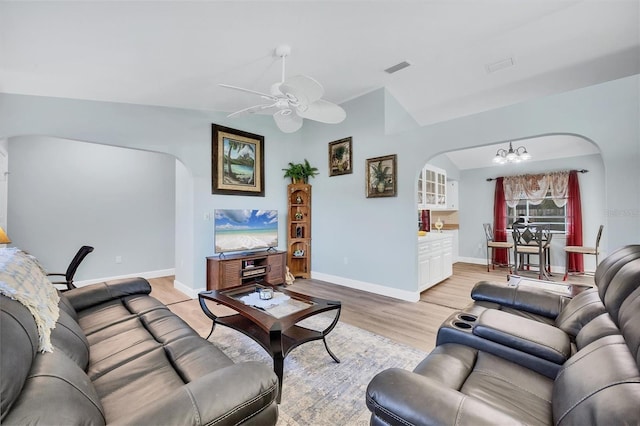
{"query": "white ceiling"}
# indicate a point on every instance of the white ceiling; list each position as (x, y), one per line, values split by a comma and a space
(174, 53)
(541, 149)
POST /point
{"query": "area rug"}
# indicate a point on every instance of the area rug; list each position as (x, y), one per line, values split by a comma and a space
(316, 390)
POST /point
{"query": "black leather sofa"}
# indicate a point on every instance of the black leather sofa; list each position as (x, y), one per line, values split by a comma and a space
(122, 357)
(557, 367)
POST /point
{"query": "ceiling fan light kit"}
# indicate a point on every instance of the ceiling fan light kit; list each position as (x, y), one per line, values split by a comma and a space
(291, 100)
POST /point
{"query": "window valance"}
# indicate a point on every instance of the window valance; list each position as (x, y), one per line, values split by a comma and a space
(535, 187)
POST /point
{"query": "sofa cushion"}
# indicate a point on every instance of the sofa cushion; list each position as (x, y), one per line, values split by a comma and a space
(56, 392)
(124, 388)
(515, 390)
(481, 389)
(69, 338)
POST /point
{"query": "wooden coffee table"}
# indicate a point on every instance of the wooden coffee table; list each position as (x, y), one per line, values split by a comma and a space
(275, 329)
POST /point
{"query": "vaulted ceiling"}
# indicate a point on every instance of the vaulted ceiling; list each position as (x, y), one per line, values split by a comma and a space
(174, 53)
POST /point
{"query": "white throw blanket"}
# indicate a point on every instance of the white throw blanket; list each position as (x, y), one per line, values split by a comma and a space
(23, 279)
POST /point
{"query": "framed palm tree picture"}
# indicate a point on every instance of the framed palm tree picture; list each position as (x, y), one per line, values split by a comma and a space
(237, 162)
(381, 176)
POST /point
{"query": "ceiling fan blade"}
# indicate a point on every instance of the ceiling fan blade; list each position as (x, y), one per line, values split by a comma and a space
(242, 89)
(323, 111)
(252, 109)
(303, 88)
(287, 121)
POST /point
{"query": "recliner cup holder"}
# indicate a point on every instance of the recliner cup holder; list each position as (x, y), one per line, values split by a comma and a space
(463, 325)
(468, 317)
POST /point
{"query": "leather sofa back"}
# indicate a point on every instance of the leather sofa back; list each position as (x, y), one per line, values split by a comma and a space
(28, 374)
(600, 384)
(18, 327)
(610, 266)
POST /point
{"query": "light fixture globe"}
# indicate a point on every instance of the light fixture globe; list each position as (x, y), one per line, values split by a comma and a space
(511, 155)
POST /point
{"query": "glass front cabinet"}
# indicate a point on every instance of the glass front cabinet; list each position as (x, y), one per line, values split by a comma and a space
(432, 188)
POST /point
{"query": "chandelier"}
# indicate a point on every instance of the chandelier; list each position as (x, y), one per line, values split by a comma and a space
(512, 155)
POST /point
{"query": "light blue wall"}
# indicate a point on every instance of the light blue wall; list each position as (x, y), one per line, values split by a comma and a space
(380, 233)
(377, 236)
(64, 194)
(185, 134)
(476, 204)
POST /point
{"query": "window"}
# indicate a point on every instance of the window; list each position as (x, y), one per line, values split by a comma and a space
(546, 213)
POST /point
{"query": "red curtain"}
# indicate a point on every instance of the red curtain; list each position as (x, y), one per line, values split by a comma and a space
(574, 223)
(499, 222)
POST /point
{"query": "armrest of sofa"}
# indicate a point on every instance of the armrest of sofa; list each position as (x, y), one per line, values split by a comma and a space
(87, 296)
(535, 338)
(524, 298)
(397, 396)
(231, 395)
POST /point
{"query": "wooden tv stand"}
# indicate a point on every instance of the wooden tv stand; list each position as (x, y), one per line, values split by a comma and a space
(264, 267)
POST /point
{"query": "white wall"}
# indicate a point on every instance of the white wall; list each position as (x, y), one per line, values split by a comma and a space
(65, 194)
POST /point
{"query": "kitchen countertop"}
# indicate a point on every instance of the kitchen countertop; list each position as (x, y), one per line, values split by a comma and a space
(434, 235)
(446, 227)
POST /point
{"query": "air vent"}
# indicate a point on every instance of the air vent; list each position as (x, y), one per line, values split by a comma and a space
(500, 65)
(397, 67)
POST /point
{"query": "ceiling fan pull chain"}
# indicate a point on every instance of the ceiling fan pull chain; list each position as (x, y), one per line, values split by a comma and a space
(283, 65)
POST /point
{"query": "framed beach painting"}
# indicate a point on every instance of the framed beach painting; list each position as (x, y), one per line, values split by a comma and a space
(237, 162)
(340, 157)
(381, 176)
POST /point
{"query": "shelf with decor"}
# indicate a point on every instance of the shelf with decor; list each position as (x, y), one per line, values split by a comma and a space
(299, 229)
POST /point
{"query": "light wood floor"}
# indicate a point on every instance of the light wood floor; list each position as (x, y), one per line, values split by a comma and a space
(414, 324)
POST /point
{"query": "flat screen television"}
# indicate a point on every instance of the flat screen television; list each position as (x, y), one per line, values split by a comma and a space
(245, 230)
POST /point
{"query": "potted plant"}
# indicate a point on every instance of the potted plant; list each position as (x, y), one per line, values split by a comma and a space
(295, 172)
(300, 172)
(308, 171)
(380, 175)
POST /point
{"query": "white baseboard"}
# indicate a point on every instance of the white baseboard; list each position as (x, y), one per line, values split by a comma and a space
(474, 260)
(150, 274)
(410, 296)
(555, 269)
(192, 293)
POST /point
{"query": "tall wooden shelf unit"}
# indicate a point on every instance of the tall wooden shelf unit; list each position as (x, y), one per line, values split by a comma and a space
(299, 230)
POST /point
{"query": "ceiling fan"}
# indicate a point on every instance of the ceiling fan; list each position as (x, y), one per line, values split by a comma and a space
(292, 100)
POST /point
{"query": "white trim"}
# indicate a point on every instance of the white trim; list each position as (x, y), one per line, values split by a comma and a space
(150, 274)
(555, 269)
(474, 260)
(183, 288)
(410, 296)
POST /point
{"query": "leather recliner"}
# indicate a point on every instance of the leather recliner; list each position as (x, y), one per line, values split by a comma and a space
(598, 384)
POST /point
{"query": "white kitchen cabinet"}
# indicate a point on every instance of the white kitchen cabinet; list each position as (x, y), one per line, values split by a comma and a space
(455, 252)
(452, 195)
(434, 259)
(432, 188)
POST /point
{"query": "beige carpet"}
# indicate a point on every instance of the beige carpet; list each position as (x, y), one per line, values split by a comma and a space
(318, 391)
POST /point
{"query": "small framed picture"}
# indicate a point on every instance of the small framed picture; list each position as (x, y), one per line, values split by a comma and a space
(237, 162)
(340, 157)
(381, 176)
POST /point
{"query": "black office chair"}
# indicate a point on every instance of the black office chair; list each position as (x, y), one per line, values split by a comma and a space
(73, 267)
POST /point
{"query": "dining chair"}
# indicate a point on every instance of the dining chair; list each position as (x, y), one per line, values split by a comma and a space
(533, 240)
(73, 267)
(583, 250)
(492, 245)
